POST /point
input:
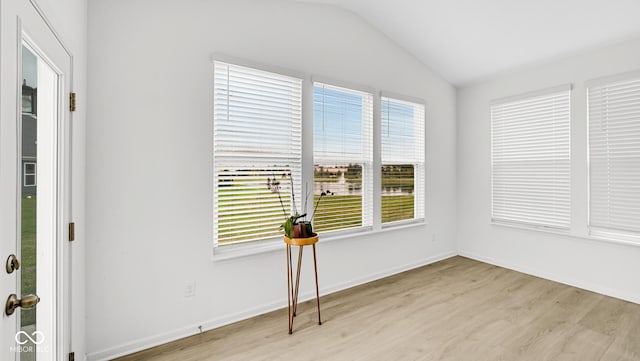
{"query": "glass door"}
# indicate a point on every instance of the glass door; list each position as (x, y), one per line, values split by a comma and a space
(34, 186)
(37, 164)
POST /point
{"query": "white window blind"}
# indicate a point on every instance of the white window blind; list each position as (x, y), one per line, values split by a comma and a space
(402, 138)
(530, 156)
(614, 157)
(257, 137)
(343, 156)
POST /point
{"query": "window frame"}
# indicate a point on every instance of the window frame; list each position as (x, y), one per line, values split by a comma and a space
(522, 97)
(419, 199)
(25, 174)
(368, 194)
(241, 247)
(620, 236)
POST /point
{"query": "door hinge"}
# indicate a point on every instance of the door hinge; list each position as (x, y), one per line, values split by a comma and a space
(72, 356)
(72, 231)
(72, 102)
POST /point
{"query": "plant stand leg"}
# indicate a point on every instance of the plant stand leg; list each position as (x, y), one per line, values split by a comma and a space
(315, 268)
(295, 298)
(289, 288)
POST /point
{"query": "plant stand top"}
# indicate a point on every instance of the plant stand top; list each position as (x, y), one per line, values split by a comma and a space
(301, 241)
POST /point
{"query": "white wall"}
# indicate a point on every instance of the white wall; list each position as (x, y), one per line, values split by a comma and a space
(69, 18)
(607, 268)
(149, 162)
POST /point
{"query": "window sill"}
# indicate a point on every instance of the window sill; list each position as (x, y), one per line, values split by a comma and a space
(222, 253)
(402, 224)
(567, 233)
(621, 238)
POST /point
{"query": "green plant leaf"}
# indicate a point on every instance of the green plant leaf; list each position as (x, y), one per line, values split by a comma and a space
(288, 226)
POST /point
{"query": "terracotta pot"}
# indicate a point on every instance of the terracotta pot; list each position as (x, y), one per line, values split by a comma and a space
(301, 230)
(295, 231)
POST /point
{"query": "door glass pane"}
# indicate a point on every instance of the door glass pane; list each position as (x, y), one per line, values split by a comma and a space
(29, 196)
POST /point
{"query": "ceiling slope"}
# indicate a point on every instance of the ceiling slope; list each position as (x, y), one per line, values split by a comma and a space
(470, 40)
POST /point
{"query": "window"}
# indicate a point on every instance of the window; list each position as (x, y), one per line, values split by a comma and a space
(530, 156)
(614, 156)
(343, 156)
(257, 137)
(402, 138)
(29, 99)
(29, 174)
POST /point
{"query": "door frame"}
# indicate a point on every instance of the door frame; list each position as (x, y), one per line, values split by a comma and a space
(61, 340)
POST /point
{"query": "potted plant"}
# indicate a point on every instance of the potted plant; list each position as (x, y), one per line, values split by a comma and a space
(295, 224)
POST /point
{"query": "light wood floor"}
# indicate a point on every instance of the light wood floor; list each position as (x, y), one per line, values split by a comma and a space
(456, 309)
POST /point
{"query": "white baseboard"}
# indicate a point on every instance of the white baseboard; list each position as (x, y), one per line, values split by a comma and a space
(616, 293)
(148, 342)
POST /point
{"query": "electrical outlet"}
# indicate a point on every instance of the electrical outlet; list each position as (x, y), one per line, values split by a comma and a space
(190, 289)
(433, 237)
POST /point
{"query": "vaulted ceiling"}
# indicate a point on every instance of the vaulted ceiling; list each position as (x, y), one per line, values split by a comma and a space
(471, 40)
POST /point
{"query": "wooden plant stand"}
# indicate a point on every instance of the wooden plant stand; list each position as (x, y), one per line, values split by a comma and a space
(292, 292)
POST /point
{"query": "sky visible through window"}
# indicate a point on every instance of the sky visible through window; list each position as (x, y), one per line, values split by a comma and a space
(337, 126)
(397, 130)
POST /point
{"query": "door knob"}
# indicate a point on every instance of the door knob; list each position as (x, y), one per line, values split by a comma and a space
(12, 263)
(13, 302)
